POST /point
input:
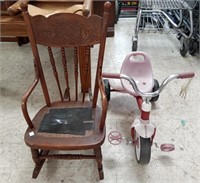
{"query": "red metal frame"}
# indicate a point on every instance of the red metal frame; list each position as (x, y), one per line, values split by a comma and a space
(144, 116)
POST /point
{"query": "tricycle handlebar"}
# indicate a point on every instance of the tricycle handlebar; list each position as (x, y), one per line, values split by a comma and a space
(186, 75)
(162, 86)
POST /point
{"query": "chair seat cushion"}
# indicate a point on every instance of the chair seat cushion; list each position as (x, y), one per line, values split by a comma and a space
(74, 121)
(66, 126)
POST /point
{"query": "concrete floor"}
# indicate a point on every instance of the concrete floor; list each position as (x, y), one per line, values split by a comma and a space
(177, 119)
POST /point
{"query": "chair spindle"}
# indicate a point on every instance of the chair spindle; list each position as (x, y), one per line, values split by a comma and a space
(76, 72)
(55, 71)
(64, 61)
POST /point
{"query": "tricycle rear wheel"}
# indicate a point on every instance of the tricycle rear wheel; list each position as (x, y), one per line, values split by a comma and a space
(155, 88)
(107, 88)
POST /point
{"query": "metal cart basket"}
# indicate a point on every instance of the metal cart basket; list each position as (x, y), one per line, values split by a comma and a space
(154, 16)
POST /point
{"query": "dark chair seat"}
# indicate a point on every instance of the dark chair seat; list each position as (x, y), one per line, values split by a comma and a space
(56, 139)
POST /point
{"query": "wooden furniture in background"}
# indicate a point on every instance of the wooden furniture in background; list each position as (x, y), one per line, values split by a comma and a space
(12, 27)
(98, 10)
(12, 24)
(73, 122)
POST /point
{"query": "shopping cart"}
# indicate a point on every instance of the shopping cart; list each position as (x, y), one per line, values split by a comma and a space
(191, 45)
(152, 16)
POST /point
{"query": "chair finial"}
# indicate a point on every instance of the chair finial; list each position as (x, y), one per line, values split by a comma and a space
(107, 6)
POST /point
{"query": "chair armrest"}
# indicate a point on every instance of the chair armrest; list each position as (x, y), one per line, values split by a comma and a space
(104, 104)
(24, 102)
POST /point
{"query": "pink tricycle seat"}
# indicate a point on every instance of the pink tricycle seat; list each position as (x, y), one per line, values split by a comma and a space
(137, 65)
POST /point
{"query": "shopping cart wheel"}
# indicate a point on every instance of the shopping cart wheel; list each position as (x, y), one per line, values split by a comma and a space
(184, 46)
(193, 47)
(142, 149)
(155, 88)
(178, 36)
(107, 88)
(134, 44)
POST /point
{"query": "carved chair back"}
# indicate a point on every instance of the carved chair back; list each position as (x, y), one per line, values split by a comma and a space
(61, 31)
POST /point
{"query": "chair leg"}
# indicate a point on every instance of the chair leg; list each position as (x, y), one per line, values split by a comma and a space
(98, 155)
(38, 162)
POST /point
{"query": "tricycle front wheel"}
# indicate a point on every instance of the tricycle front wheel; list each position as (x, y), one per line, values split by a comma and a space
(142, 149)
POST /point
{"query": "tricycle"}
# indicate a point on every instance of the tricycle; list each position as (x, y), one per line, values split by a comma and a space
(136, 79)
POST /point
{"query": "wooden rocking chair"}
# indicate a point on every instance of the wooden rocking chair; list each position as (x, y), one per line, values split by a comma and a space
(72, 122)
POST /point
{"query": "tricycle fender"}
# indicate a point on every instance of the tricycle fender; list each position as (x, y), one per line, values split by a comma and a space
(143, 129)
